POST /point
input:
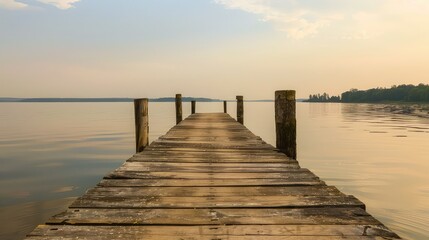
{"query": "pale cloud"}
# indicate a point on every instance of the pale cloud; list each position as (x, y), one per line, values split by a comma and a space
(364, 26)
(397, 17)
(16, 5)
(297, 22)
(406, 6)
(12, 4)
(366, 19)
(61, 4)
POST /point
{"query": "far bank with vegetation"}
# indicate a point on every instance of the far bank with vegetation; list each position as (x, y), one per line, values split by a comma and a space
(401, 93)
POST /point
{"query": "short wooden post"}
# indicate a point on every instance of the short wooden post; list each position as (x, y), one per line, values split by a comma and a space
(142, 123)
(240, 110)
(178, 108)
(285, 108)
(193, 103)
(225, 107)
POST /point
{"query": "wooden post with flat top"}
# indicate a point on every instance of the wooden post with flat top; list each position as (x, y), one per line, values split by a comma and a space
(225, 107)
(193, 105)
(178, 108)
(240, 110)
(142, 123)
(285, 108)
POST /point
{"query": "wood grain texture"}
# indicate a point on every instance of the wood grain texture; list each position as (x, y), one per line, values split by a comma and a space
(285, 118)
(214, 191)
(208, 182)
(213, 201)
(179, 115)
(225, 216)
(210, 178)
(141, 119)
(127, 232)
(240, 109)
(193, 107)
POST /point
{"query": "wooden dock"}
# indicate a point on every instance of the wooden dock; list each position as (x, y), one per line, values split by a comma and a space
(210, 178)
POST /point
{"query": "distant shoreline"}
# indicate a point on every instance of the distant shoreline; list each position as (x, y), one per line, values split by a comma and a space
(379, 103)
(396, 94)
(165, 99)
(101, 100)
(417, 109)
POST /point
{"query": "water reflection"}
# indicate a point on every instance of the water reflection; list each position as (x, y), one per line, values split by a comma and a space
(383, 161)
(17, 220)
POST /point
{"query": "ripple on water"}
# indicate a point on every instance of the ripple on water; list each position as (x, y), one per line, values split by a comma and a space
(65, 189)
(408, 224)
(12, 225)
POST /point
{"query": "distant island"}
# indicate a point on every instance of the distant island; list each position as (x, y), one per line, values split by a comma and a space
(71, 100)
(401, 93)
(164, 99)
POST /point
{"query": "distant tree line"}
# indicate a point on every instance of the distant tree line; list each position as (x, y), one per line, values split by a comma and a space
(323, 98)
(401, 93)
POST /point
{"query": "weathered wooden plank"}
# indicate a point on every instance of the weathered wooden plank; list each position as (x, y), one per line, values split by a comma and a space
(218, 133)
(263, 152)
(208, 182)
(211, 165)
(297, 174)
(208, 138)
(226, 142)
(214, 191)
(218, 143)
(212, 124)
(214, 155)
(130, 232)
(213, 146)
(207, 156)
(234, 216)
(206, 169)
(182, 128)
(216, 202)
(288, 172)
(204, 131)
(221, 130)
(196, 129)
(209, 153)
(246, 139)
(218, 237)
(185, 159)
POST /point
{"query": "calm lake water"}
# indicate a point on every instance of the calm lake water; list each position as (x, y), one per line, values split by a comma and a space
(51, 153)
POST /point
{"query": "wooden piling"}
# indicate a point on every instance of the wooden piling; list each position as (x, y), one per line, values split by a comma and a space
(193, 105)
(285, 117)
(240, 110)
(141, 123)
(178, 108)
(225, 107)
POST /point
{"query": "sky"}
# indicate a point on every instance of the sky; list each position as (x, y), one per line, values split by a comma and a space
(209, 48)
